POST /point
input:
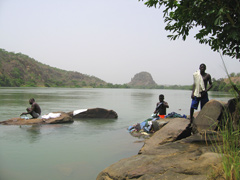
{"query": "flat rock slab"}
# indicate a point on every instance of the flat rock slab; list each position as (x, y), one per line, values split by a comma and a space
(164, 156)
(63, 118)
(167, 133)
(185, 159)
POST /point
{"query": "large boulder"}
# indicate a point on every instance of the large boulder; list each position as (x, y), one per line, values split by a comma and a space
(168, 133)
(188, 158)
(94, 113)
(209, 117)
(63, 118)
(232, 110)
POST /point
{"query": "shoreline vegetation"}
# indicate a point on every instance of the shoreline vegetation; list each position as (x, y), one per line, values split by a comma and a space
(19, 70)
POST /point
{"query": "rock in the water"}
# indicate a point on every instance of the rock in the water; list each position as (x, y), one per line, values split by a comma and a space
(95, 113)
(63, 118)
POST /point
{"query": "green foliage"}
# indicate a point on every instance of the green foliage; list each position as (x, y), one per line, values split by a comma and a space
(230, 146)
(185, 87)
(30, 83)
(17, 70)
(4, 81)
(218, 22)
(221, 85)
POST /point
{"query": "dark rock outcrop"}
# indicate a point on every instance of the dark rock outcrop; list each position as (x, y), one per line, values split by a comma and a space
(214, 114)
(95, 113)
(209, 117)
(232, 109)
(142, 80)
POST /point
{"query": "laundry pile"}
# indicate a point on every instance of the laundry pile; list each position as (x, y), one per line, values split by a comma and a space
(151, 125)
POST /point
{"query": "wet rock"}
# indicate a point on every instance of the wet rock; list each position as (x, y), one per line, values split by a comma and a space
(95, 113)
(63, 118)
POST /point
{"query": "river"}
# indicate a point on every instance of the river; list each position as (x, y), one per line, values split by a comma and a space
(80, 150)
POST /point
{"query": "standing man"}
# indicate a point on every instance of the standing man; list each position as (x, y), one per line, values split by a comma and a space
(199, 91)
(161, 106)
(34, 110)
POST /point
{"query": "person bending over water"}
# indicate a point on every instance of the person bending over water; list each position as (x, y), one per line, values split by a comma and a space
(34, 110)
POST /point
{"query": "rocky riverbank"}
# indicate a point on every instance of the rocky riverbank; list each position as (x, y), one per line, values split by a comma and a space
(174, 151)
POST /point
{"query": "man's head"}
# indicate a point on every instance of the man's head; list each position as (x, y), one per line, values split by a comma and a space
(161, 97)
(202, 67)
(31, 101)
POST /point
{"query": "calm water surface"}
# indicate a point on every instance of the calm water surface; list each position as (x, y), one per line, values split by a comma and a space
(80, 150)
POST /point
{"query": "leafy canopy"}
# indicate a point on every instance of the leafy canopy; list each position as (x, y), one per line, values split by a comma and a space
(218, 20)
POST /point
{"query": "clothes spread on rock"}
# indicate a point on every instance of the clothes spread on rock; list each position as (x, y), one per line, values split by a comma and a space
(78, 111)
(151, 124)
(51, 115)
(175, 115)
(145, 126)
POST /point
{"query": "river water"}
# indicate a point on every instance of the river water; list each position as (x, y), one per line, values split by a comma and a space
(80, 150)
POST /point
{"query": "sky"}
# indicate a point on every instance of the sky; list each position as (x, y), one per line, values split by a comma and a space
(109, 39)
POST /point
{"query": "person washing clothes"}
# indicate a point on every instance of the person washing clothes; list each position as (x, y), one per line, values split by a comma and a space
(34, 110)
(199, 91)
(161, 106)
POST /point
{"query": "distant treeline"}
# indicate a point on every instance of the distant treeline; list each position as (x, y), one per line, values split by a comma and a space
(19, 70)
(221, 84)
(127, 86)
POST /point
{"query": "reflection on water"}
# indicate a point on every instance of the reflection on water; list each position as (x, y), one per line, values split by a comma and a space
(33, 132)
(97, 122)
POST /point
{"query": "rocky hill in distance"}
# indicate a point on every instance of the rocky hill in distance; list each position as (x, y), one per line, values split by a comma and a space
(142, 80)
(19, 70)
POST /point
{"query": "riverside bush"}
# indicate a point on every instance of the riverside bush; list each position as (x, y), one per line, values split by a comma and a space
(229, 148)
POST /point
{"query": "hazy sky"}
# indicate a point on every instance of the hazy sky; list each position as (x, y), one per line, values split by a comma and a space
(110, 39)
